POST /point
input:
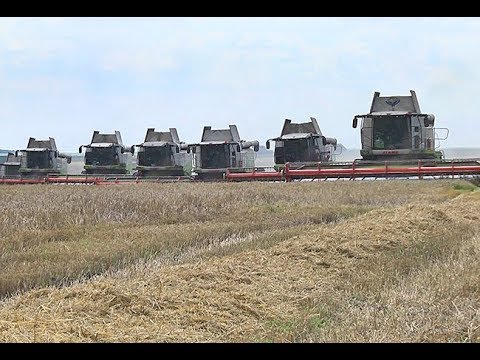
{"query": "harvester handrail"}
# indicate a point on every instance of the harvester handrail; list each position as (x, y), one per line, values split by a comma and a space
(441, 128)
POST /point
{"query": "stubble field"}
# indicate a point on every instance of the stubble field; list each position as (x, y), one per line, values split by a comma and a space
(352, 261)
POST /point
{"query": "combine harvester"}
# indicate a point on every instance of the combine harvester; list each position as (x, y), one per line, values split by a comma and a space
(32, 165)
(302, 143)
(395, 128)
(300, 146)
(105, 162)
(221, 151)
(105, 154)
(162, 156)
(11, 166)
(398, 141)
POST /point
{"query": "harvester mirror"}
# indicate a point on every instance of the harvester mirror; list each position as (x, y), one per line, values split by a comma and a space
(80, 149)
(256, 147)
(69, 160)
(267, 144)
(122, 150)
(239, 148)
(355, 122)
(132, 149)
(324, 140)
(429, 120)
(16, 153)
(177, 149)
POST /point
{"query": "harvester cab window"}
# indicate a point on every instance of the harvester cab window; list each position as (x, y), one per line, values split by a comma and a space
(38, 160)
(215, 156)
(296, 150)
(156, 156)
(101, 156)
(391, 132)
(233, 158)
(52, 156)
(379, 142)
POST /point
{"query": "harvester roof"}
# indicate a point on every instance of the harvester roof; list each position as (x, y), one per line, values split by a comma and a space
(394, 105)
(102, 145)
(41, 145)
(220, 135)
(214, 142)
(310, 127)
(156, 143)
(37, 149)
(12, 159)
(153, 136)
(296, 136)
(99, 138)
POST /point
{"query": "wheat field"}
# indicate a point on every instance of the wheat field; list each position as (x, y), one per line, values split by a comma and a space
(372, 261)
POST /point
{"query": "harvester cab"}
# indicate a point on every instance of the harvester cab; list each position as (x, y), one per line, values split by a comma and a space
(162, 154)
(11, 166)
(41, 157)
(105, 154)
(302, 143)
(396, 129)
(220, 150)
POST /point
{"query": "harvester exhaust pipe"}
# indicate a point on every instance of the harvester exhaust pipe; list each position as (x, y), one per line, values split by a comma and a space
(267, 144)
(65, 156)
(329, 141)
(248, 144)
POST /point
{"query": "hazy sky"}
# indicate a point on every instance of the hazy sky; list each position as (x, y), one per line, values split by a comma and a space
(65, 77)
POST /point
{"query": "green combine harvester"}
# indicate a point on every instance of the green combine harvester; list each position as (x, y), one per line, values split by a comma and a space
(220, 151)
(105, 154)
(302, 143)
(396, 129)
(162, 154)
(41, 158)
